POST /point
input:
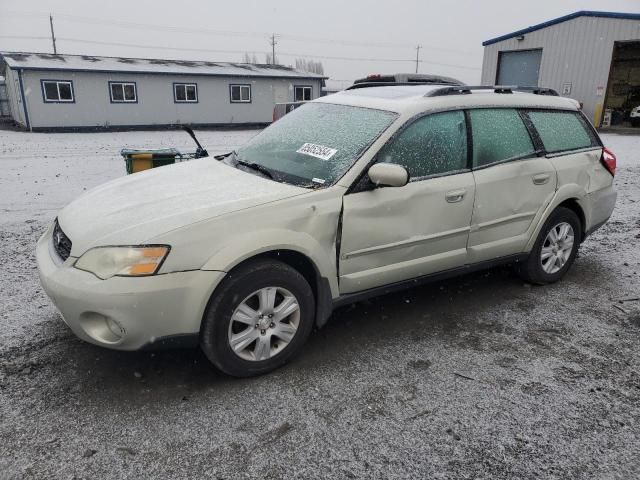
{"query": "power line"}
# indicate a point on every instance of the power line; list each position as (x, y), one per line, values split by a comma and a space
(24, 37)
(288, 54)
(197, 30)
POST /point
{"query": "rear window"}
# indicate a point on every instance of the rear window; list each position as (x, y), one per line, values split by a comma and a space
(562, 131)
(499, 134)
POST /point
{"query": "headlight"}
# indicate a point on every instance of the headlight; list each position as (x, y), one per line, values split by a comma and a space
(107, 262)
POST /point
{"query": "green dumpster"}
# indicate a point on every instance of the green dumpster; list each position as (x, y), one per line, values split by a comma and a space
(138, 160)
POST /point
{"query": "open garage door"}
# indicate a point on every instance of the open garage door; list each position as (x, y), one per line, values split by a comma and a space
(623, 89)
(519, 67)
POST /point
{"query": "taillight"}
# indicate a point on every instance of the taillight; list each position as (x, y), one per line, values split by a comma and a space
(608, 160)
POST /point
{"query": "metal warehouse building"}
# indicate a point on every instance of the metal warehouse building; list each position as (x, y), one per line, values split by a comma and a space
(62, 92)
(593, 57)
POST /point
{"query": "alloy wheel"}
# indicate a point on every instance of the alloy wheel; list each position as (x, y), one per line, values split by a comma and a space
(557, 248)
(264, 324)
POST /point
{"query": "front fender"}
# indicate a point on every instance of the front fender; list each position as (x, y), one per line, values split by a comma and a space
(251, 244)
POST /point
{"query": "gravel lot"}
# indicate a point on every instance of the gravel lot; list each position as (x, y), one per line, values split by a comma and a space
(478, 377)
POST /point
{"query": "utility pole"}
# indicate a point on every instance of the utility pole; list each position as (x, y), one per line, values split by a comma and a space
(417, 56)
(53, 36)
(273, 48)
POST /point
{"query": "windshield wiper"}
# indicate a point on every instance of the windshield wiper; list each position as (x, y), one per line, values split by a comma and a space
(255, 166)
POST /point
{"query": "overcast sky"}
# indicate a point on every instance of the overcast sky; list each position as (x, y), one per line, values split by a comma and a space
(369, 36)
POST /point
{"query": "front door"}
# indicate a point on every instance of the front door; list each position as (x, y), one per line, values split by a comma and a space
(391, 234)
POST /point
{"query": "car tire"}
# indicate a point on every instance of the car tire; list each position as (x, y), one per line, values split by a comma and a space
(551, 257)
(635, 122)
(247, 329)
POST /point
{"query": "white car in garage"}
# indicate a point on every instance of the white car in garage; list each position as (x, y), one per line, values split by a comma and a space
(349, 196)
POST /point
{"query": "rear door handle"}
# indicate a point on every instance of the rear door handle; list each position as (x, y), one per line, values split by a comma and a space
(455, 196)
(541, 179)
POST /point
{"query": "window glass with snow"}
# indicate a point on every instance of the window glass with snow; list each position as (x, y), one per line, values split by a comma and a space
(432, 145)
(561, 131)
(499, 134)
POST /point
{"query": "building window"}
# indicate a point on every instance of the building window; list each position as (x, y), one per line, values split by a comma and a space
(57, 91)
(123, 92)
(185, 93)
(240, 93)
(302, 93)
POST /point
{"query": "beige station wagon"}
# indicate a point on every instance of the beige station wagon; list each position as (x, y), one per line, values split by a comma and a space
(349, 196)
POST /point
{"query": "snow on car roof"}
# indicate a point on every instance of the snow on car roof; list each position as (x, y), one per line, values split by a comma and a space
(92, 63)
(413, 99)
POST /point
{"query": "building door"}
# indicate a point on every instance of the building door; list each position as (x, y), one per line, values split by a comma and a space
(519, 67)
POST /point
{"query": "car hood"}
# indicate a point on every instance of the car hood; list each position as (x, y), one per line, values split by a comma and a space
(134, 209)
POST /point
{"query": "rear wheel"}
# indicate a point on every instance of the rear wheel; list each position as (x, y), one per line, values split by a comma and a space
(258, 319)
(555, 248)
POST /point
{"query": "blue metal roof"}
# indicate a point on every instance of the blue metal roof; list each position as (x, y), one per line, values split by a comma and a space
(571, 16)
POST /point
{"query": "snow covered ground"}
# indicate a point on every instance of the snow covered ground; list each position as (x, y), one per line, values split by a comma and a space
(476, 377)
(43, 172)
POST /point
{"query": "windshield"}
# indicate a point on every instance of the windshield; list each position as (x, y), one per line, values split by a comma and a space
(316, 143)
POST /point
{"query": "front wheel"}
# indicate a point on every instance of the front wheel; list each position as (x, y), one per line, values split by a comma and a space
(258, 319)
(555, 248)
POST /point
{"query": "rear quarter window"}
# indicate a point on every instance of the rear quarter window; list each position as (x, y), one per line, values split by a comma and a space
(562, 131)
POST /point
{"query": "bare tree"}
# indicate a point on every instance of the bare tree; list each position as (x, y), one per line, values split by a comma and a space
(268, 60)
(310, 66)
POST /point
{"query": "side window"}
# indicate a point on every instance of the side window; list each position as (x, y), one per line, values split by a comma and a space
(561, 131)
(302, 93)
(498, 134)
(431, 145)
(57, 91)
(185, 93)
(240, 93)
(123, 92)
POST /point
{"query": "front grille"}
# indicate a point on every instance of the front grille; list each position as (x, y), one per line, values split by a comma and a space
(61, 243)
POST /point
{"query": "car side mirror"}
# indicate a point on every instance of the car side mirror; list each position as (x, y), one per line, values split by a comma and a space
(388, 175)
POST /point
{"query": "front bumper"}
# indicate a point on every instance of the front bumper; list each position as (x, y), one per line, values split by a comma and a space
(124, 313)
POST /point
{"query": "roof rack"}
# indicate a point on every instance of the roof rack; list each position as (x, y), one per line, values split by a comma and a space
(467, 89)
(369, 84)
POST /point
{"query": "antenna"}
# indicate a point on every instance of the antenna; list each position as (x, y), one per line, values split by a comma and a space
(53, 36)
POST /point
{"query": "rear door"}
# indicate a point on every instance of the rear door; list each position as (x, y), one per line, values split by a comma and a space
(391, 234)
(513, 184)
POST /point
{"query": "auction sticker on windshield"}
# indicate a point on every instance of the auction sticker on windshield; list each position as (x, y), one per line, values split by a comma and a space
(318, 151)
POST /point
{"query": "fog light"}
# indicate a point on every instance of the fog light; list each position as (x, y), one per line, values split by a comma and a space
(115, 327)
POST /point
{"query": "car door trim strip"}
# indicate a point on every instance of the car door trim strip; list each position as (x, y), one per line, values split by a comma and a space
(404, 243)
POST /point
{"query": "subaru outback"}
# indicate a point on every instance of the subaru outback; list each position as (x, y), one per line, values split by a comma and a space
(352, 195)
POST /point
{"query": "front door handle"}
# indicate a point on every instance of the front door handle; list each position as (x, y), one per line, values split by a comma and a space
(541, 179)
(455, 196)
